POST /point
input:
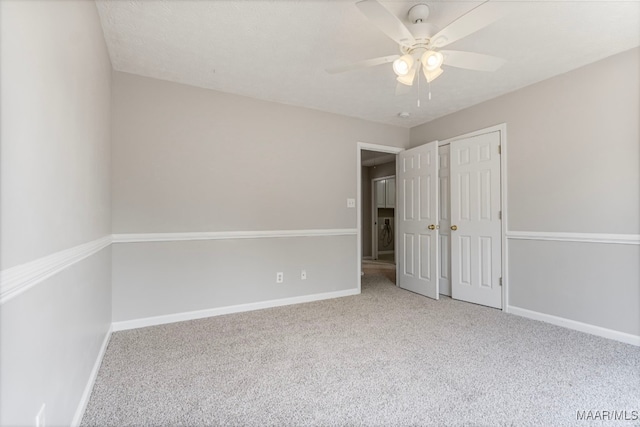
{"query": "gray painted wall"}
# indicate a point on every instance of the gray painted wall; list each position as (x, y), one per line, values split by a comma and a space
(187, 159)
(159, 278)
(51, 338)
(192, 159)
(55, 129)
(55, 114)
(573, 166)
(591, 283)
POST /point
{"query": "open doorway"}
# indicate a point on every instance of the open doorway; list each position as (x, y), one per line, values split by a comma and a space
(377, 214)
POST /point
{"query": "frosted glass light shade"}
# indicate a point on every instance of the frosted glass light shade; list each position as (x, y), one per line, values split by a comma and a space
(403, 65)
(432, 60)
(431, 75)
(406, 80)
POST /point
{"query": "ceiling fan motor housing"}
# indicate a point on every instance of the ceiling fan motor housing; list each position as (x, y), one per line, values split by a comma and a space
(420, 28)
(418, 13)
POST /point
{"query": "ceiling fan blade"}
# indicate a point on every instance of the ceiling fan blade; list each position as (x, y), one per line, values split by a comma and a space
(474, 20)
(471, 60)
(386, 22)
(363, 64)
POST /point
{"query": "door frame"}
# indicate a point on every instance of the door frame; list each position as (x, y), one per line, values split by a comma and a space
(381, 149)
(374, 217)
(502, 130)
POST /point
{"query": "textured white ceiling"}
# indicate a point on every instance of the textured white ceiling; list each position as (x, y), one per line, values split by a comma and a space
(277, 50)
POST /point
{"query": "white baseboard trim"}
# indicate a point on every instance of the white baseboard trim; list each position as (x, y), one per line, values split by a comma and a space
(218, 311)
(18, 279)
(225, 235)
(86, 395)
(575, 325)
(621, 239)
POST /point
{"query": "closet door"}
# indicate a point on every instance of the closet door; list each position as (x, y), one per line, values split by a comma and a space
(417, 177)
(476, 246)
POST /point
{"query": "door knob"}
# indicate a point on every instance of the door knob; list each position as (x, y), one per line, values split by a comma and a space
(454, 227)
(431, 227)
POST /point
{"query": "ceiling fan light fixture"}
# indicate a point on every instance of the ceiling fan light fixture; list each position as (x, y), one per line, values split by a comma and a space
(431, 75)
(403, 65)
(432, 60)
(406, 79)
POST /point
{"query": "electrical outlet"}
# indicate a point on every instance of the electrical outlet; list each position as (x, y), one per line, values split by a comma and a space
(40, 419)
(279, 277)
(351, 203)
(303, 275)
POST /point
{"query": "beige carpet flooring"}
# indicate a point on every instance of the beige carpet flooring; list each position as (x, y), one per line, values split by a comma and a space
(386, 357)
(385, 268)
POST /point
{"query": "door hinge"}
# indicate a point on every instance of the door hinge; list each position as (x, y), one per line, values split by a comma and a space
(499, 214)
(499, 149)
(501, 281)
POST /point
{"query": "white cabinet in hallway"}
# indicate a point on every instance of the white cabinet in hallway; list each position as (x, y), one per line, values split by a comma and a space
(386, 193)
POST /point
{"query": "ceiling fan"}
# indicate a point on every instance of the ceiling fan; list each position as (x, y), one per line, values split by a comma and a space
(420, 46)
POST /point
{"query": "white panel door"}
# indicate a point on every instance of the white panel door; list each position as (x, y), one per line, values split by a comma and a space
(476, 246)
(417, 198)
(444, 219)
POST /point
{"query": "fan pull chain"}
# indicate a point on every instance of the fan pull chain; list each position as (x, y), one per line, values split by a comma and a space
(429, 83)
(418, 89)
